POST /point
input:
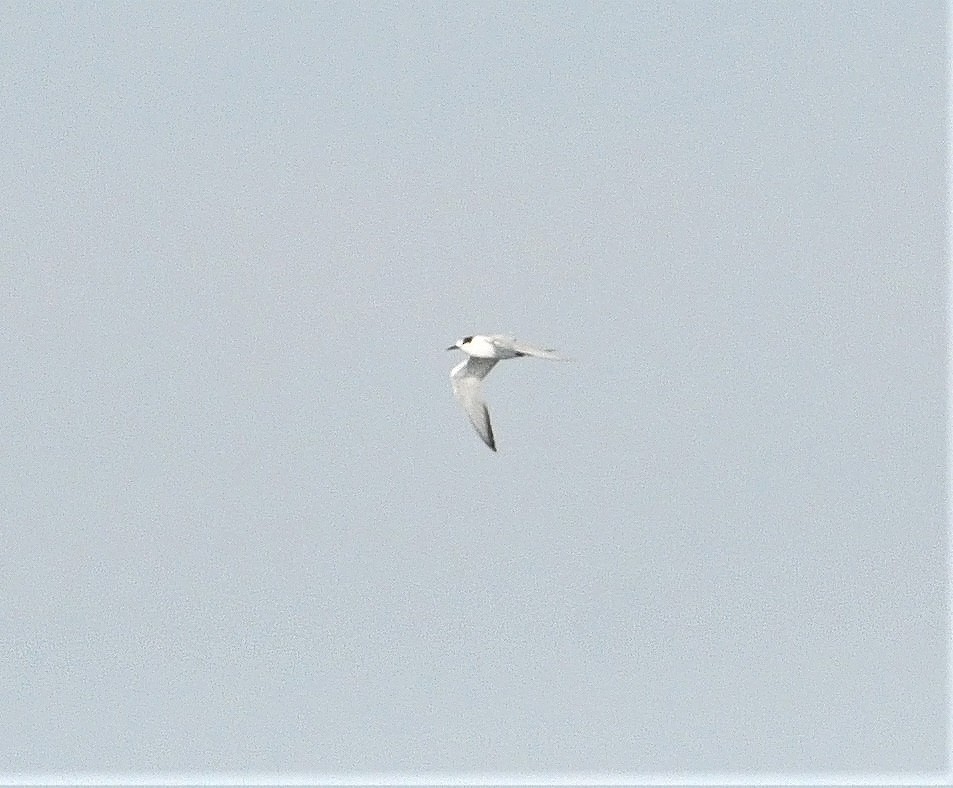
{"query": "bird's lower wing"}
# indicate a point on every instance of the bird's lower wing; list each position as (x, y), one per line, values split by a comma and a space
(466, 388)
(479, 416)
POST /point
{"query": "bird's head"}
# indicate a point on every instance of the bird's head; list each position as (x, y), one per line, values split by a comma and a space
(460, 343)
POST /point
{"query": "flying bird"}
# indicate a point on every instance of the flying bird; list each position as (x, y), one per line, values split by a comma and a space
(482, 354)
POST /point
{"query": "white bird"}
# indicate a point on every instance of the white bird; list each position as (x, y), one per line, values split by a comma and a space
(482, 354)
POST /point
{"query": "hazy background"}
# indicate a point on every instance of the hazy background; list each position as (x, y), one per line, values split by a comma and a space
(244, 523)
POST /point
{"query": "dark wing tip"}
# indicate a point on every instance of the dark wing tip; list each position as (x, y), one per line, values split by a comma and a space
(490, 441)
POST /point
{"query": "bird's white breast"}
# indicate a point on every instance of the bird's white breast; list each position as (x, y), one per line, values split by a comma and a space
(481, 347)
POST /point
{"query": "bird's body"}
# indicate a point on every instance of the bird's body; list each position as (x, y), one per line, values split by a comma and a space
(483, 352)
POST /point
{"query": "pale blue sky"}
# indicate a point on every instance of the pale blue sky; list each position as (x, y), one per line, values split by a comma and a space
(246, 525)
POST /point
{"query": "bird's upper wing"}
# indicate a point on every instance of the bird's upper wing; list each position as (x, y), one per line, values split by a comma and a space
(524, 348)
(466, 378)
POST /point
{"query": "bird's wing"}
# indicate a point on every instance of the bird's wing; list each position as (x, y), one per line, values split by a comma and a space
(466, 378)
(524, 348)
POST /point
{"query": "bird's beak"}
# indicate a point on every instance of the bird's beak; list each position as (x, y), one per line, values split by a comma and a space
(452, 347)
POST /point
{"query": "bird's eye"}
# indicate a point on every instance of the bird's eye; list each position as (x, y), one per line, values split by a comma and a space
(466, 339)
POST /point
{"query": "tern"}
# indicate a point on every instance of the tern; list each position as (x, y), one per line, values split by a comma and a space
(483, 351)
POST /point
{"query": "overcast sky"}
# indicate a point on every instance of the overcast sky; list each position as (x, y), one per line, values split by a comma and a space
(245, 525)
